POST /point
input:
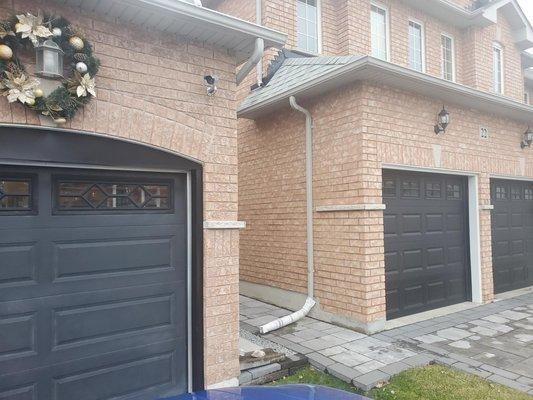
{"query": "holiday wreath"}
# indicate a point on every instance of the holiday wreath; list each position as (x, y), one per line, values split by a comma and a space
(21, 32)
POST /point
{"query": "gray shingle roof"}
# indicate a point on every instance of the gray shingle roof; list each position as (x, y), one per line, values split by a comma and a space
(295, 72)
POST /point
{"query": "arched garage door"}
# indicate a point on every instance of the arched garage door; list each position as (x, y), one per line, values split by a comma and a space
(93, 277)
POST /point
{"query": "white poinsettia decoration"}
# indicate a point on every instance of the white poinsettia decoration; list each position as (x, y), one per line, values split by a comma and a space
(19, 88)
(31, 26)
(5, 32)
(86, 85)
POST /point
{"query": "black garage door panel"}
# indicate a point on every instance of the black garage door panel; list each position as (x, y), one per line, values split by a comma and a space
(93, 302)
(426, 242)
(512, 234)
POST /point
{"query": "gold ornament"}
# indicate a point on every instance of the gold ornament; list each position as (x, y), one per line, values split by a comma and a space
(30, 102)
(76, 42)
(5, 52)
(38, 92)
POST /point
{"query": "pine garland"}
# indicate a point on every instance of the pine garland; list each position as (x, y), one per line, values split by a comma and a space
(64, 101)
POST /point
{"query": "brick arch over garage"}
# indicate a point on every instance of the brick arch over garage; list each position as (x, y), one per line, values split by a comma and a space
(49, 148)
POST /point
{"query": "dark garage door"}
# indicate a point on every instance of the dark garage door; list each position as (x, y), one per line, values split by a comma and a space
(93, 294)
(512, 234)
(426, 241)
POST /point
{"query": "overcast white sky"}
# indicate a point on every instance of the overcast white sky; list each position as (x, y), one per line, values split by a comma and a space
(527, 6)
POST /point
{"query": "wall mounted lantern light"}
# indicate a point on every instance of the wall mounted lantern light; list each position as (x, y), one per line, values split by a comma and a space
(528, 138)
(49, 59)
(443, 120)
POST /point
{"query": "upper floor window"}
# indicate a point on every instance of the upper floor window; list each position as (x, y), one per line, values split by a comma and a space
(379, 32)
(308, 26)
(497, 67)
(526, 97)
(448, 57)
(416, 46)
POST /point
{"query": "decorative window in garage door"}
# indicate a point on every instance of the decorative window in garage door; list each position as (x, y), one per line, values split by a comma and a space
(15, 194)
(97, 195)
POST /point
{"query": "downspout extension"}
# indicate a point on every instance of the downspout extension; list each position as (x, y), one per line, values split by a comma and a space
(254, 59)
(310, 302)
(259, 21)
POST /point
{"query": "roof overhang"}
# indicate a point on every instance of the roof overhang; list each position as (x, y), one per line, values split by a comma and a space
(180, 18)
(484, 16)
(385, 73)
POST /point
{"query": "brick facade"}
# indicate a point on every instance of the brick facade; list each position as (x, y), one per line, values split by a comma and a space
(150, 89)
(357, 130)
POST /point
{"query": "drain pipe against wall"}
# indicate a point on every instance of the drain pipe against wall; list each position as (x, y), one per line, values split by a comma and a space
(310, 302)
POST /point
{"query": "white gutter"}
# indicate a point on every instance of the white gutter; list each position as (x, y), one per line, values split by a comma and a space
(310, 302)
(259, 21)
(254, 60)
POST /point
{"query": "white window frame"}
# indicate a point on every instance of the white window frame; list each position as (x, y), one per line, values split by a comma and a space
(387, 28)
(452, 41)
(422, 43)
(499, 47)
(318, 29)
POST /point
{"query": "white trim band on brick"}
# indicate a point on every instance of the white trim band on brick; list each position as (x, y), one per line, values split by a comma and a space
(486, 207)
(351, 207)
(224, 224)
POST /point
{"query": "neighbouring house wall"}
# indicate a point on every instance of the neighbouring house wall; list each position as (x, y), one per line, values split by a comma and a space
(272, 201)
(357, 130)
(150, 89)
(346, 30)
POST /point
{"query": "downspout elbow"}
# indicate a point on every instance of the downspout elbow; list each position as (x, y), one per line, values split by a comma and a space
(254, 59)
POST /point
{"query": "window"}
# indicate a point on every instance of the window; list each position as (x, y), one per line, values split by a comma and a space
(308, 25)
(501, 193)
(453, 191)
(389, 188)
(448, 58)
(410, 189)
(497, 66)
(416, 46)
(93, 195)
(379, 32)
(526, 97)
(15, 194)
(433, 190)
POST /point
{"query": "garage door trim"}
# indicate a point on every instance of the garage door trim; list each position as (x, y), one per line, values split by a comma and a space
(57, 148)
(473, 219)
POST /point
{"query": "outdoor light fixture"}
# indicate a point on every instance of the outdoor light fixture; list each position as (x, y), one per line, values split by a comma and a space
(528, 138)
(443, 120)
(49, 59)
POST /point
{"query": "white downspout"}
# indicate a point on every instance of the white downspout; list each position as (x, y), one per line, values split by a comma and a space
(310, 302)
(254, 59)
(259, 21)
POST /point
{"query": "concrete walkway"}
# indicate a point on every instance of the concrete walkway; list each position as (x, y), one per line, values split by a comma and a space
(494, 341)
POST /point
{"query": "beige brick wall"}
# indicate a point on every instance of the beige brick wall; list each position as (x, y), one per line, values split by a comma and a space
(357, 129)
(150, 89)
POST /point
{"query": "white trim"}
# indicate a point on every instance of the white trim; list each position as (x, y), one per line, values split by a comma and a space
(383, 7)
(497, 46)
(486, 207)
(422, 42)
(476, 275)
(224, 224)
(189, 285)
(452, 39)
(351, 207)
(430, 170)
(511, 178)
(473, 217)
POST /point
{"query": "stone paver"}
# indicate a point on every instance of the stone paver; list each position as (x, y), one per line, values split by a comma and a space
(493, 341)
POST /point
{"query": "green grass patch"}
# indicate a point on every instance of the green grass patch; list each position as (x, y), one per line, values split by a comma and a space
(437, 382)
(310, 376)
(434, 382)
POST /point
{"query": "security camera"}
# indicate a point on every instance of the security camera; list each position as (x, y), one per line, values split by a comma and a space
(211, 83)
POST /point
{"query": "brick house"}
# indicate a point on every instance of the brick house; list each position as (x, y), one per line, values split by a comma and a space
(133, 295)
(408, 214)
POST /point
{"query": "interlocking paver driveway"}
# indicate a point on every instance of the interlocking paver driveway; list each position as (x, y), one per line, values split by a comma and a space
(494, 341)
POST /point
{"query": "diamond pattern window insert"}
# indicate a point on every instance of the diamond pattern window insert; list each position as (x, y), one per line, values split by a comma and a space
(96, 195)
(15, 194)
